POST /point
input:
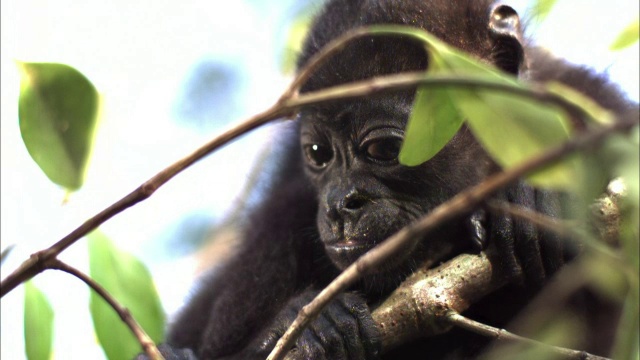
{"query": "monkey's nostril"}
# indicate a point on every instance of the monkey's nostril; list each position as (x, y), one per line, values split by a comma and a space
(354, 203)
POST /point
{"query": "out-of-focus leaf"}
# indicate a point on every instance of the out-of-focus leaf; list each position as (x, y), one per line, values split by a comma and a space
(5, 253)
(433, 122)
(627, 37)
(610, 280)
(560, 330)
(619, 157)
(295, 39)
(541, 8)
(627, 346)
(58, 109)
(627, 162)
(38, 323)
(130, 283)
(595, 113)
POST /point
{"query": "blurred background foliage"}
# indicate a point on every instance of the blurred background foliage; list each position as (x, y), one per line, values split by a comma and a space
(170, 76)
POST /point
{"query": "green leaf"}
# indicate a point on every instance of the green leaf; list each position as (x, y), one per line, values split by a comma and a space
(58, 109)
(38, 323)
(295, 39)
(627, 37)
(511, 129)
(606, 276)
(561, 329)
(541, 9)
(627, 346)
(129, 282)
(433, 122)
(593, 111)
(619, 158)
(627, 164)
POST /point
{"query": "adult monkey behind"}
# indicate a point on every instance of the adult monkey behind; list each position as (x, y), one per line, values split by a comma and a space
(340, 190)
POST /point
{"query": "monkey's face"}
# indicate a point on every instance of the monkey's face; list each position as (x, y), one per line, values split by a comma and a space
(364, 194)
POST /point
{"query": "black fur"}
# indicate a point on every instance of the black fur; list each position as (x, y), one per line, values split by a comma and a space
(323, 211)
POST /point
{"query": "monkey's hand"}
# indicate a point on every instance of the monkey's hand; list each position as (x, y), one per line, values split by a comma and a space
(343, 330)
(171, 353)
(522, 247)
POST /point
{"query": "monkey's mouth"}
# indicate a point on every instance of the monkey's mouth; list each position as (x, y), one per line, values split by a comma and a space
(344, 253)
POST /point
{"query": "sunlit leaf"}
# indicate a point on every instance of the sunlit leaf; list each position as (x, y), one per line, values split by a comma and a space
(511, 128)
(627, 37)
(433, 122)
(38, 323)
(540, 9)
(58, 109)
(130, 283)
(595, 113)
(297, 33)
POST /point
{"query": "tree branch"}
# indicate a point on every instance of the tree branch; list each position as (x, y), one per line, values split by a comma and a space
(145, 341)
(504, 335)
(563, 227)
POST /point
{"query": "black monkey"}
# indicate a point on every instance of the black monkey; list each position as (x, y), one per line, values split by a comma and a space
(339, 190)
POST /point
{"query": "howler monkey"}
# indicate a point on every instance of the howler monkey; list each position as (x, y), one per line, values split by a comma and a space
(339, 190)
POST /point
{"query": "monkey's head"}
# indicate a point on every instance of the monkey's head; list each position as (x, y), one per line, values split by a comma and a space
(351, 148)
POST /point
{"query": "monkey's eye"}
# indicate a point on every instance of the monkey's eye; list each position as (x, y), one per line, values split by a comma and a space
(385, 149)
(318, 155)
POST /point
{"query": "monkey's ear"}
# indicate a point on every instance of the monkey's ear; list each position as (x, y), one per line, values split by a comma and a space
(505, 28)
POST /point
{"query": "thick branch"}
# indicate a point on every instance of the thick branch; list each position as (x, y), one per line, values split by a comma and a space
(429, 303)
(418, 307)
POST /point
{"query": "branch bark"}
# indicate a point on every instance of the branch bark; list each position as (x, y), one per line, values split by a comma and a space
(429, 303)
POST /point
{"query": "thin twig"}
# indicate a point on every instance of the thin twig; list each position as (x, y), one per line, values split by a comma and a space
(145, 341)
(504, 335)
(561, 228)
(461, 203)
